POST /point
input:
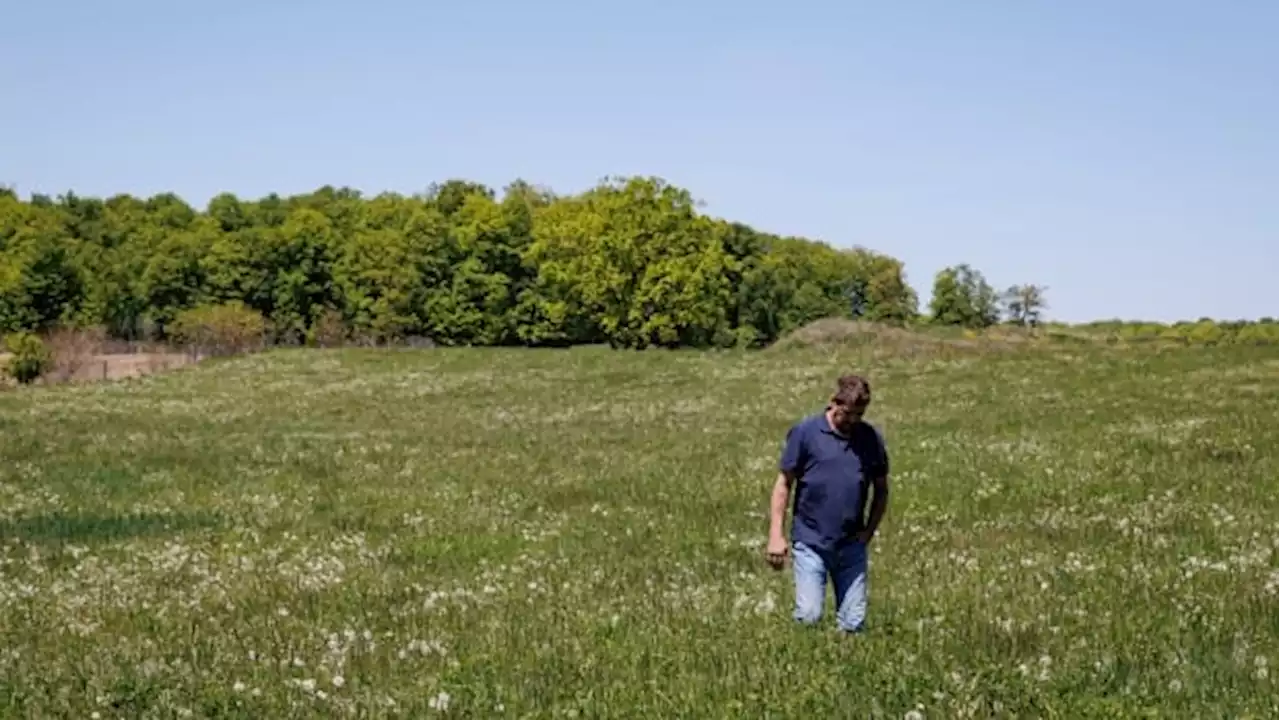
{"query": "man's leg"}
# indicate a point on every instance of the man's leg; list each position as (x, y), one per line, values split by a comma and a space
(850, 578)
(811, 583)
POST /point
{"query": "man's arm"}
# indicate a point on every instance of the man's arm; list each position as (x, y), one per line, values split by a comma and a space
(879, 503)
(778, 502)
(879, 472)
(777, 548)
(789, 466)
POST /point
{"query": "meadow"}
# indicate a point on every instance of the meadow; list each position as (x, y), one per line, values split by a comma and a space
(1081, 531)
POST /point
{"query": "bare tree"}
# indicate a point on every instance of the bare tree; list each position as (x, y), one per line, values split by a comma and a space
(1024, 304)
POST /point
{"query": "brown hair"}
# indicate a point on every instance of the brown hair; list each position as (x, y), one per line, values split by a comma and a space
(852, 391)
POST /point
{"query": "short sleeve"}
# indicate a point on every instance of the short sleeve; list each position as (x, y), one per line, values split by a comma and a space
(793, 452)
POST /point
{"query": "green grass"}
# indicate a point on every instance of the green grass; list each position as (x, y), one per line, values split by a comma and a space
(1074, 532)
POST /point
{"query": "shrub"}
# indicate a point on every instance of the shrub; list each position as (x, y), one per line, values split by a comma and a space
(1260, 333)
(328, 331)
(30, 358)
(226, 329)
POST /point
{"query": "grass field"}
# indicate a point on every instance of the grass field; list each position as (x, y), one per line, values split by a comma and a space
(1073, 532)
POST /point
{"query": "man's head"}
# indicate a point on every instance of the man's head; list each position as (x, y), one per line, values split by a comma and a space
(850, 401)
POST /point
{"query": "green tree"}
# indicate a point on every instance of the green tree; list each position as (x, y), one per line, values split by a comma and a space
(962, 296)
(631, 262)
(449, 197)
(882, 284)
(476, 306)
(40, 284)
(299, 273)
(173, 278)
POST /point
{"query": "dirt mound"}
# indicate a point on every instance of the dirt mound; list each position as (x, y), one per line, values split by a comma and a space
(841, 333)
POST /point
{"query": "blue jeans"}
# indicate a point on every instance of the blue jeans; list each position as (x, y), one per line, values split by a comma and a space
(847, 567)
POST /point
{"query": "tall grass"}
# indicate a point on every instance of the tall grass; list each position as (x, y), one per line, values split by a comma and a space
(579, 533)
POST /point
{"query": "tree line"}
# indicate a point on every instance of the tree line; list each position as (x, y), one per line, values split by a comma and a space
(630, 262)
(963, 297)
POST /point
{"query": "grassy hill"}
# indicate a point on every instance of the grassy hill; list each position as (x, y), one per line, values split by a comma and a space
(1075, 531)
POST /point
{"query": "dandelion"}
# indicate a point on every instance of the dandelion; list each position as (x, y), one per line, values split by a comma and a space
(439, 702)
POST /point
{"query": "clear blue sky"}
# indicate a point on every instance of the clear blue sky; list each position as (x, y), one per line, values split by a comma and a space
(1121, 153)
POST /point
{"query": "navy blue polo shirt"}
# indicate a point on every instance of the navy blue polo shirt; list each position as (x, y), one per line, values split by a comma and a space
(832, 475)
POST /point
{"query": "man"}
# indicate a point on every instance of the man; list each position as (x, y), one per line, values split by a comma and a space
(832, 458)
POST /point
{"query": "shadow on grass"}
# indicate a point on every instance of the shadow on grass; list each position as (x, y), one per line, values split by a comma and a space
(57, 528)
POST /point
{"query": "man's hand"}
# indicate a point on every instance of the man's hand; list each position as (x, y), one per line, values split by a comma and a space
(777, 552)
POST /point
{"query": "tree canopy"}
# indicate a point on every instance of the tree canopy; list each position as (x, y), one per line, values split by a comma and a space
(630, 262)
